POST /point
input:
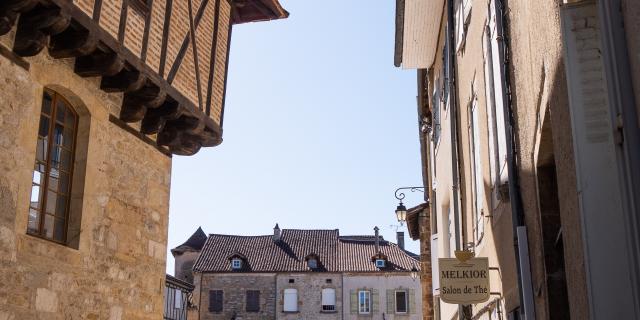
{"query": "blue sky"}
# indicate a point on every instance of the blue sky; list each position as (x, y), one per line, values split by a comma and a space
(320, 128)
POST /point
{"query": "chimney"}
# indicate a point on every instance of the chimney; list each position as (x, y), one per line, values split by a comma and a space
(276, 233)
(377, 239)
(400, 237)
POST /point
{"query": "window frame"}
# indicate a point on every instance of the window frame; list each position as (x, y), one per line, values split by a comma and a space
(364, 307)
(328, 307)
(45, 177)
(212, 306)
(290, 292)
(476, 167)
(381, 263)
(236, 263)
(406, 301)
(255, 294)
(312, 263)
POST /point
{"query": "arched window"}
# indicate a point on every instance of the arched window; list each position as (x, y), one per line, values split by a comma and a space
(53, 169)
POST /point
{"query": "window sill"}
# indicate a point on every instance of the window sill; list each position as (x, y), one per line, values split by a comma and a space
(328, 311)
(290, 311)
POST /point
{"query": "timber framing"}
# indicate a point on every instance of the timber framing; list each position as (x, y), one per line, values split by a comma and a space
(178, 123)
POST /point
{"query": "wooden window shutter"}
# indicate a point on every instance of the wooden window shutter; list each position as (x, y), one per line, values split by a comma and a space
(215, 300)
(391, 303)
(353, 301)
(375, 301)
(253, 301)
(412, 301)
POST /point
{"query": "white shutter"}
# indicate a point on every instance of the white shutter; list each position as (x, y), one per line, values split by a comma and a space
(477, 168)
(490, 105)
(178, 299)
(459, 16)
(452, 233)
(498, 78)
(328, 297)
(290, 300)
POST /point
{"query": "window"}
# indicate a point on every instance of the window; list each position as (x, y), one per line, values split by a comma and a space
(53, 169)
(364, 302)
(312, 263)
(494, 93)
(215, 300)
(380, 263)
(253, 301)
(292, 280)
(328, 299)
(401, 301)
(236, 264)
(478, 181)
(463, 10)
(290, 300)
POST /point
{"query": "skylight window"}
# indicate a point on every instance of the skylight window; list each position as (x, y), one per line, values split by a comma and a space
(236, 264)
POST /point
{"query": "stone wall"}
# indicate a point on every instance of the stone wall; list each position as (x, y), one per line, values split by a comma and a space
(309, 286)
(380, 286)
(234, 287)
(118, 269)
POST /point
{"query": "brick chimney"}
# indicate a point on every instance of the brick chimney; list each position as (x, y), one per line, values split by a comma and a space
(400, 238)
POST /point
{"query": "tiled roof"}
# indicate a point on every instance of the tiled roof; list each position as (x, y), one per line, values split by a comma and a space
(335, 253)
(195, 242)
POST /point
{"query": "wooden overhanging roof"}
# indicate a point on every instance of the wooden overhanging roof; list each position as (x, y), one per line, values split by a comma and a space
(178, 117)
(413, 221)
(257, 10)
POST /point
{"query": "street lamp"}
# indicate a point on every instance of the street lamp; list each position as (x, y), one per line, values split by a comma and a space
(414, 272)
(401, 210)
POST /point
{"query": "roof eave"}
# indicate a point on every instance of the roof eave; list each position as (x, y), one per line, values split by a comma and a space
(418, 24)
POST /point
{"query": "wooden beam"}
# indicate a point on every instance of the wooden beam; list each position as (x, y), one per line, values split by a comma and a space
(98, 63)
(97, 9)
(165, 37)
(124, 81)
(226, 75)
(194, 48)
(34, 29)
(145, 36)
(185, 44)
(123, 21)
(212, 58)
(73, 42)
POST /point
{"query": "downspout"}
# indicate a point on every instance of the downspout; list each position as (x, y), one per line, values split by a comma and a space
(464, 311)
(521, 247)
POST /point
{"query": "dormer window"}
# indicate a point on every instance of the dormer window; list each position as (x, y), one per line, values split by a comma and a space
(236, 264)
(380, 263)
(312, 263)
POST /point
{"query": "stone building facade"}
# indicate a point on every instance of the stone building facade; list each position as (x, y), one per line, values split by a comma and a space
(89, 122)
(515, 123)
(306, 274)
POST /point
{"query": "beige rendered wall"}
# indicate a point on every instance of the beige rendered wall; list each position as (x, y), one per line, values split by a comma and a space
(539, 85)
(119, 268)
(496, 242)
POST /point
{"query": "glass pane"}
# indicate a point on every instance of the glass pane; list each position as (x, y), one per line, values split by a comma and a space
(34, 221)
(53, 182)
(46, 103)
(39, 167)
(44, 126)
(70, 120)
(61, 206)
(48, 226)
(35, 196)
(55, 157)
(37, 177)
(64, 183)
(59, 230)
(65, 160)
(41, 150)
(57, 134)
(60, 110)
(51, 202)
(67, 138)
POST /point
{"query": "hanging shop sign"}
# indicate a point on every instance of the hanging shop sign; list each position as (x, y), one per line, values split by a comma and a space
(464, 279)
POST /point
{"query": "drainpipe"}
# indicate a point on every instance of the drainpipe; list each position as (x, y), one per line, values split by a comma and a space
(464, 311)
(521, 245)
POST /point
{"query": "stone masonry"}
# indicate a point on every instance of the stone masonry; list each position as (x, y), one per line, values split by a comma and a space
(117, 271)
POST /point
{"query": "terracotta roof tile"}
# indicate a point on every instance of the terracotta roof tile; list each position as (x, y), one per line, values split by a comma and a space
(335, 253)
